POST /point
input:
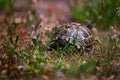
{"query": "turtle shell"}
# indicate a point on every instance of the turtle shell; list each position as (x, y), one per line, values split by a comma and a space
(73, 33)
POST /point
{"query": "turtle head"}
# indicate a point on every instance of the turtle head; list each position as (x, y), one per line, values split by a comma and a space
(94, 31)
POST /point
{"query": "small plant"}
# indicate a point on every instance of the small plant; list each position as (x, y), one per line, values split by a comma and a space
(10, 37)
(11, 47)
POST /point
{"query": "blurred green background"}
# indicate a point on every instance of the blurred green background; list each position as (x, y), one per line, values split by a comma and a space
(102, 13)
(6, 4)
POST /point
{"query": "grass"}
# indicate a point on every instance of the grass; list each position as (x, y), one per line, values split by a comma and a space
(38, 59)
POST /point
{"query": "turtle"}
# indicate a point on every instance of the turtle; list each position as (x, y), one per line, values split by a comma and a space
(72, 33)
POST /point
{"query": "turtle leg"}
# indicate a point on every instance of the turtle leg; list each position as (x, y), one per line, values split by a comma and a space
(98, 41)
(52, 45)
